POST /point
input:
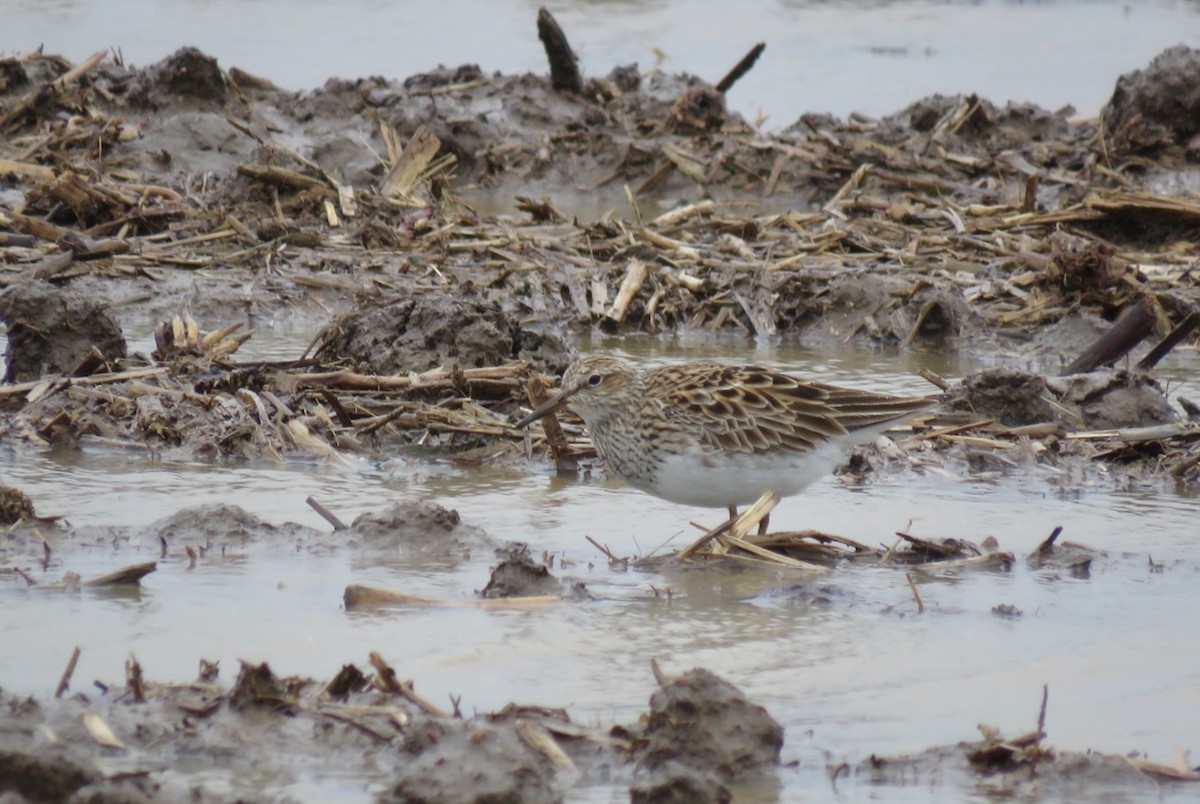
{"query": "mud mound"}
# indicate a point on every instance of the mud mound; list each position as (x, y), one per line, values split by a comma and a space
(708, 725)
(435, 329)
(493, 764)
(52, 331)
(886, 309)
(973, 120)
(997, 773)
(1098, 401)
(423, 529)
(187, 75)
(519, 575)
(15, 506)
(1157, 108)
(223, 524)
(676, 783)
(1010, 396)
(1112, 399)
(52, 776)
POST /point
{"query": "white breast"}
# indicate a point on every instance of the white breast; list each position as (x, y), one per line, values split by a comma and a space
(721, 480)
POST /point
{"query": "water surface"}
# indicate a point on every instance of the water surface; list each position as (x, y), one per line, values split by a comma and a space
(843, 660)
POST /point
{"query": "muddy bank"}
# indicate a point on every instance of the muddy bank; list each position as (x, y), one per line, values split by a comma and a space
(930, 227)
(701, 740)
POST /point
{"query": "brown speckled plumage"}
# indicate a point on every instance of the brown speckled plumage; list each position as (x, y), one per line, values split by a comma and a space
(715, 434)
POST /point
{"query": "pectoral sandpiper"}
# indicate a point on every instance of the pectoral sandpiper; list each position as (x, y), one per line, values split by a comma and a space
(716, 435)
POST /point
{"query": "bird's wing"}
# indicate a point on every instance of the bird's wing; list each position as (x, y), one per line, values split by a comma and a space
(752, 409)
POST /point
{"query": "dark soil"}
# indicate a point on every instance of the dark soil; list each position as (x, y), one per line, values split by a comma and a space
(519, 575)
(52, 331)
(438, 328)
(708, 725)
(1158, 109)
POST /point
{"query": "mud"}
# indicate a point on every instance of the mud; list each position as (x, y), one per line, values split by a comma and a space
(130, 196)
(700, 738)
(708, 725)
(1155, 110)
(497, 765)
(519, 575)
(374, 732)
(424, 532)
(437, 328)
(971, 767)
(52, 331)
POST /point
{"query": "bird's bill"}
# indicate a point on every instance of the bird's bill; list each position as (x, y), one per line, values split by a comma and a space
(549, 406)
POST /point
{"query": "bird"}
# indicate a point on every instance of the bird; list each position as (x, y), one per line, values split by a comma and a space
(717, 435)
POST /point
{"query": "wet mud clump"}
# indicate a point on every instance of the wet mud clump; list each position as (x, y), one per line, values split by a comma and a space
(1018, 767)
(884, 309)
(425, 530)
(53, 776)
(372, 726)
(257, 686)
(1010, 396)
(494, 764)
(1084, 267)
(436, 329)
(1096, 401)
(975, 120)
(1158, 108)
(54, 331)
(15, 506)
(187, 74)
(519, 575)
(1114, 399)
(221, 524)
(705, 724)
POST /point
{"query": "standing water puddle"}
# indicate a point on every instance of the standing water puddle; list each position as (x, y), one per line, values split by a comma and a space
(842, 660)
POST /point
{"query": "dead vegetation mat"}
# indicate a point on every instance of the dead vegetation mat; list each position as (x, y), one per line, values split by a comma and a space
(952, 225)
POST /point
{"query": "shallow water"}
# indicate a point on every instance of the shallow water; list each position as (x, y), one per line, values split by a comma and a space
(869, 56)
(855, 673)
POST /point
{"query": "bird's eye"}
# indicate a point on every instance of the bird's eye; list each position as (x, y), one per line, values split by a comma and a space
(595, 380)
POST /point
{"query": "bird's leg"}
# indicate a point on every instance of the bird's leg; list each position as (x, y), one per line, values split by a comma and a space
(733, 512)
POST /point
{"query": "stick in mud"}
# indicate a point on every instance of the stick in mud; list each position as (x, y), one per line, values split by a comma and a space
(133, 680)
(1127, 332)
(65, 681)
(326, 514)
(45, 551)
(1041, 732)
(741, 68)
(1181, 331)
(689, 551)
(564, 66)
(387, 677)
(604, 549)
(132, 574)
(659, 676)
(1049, 541)
(916, 594)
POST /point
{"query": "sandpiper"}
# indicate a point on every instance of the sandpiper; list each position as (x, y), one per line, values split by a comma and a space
(716, 435)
